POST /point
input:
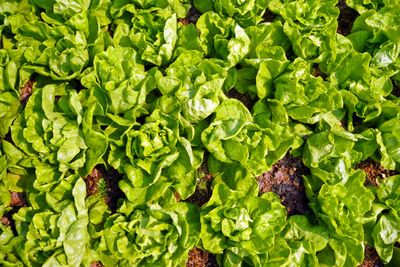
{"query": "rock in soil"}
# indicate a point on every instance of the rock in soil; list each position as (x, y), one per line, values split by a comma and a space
(346, 18)
(371, 258)
(373, 171)
(200, 258)
(286, 180)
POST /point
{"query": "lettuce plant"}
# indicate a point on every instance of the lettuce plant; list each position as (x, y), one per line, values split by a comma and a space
(115, 115)
(56, 129)
(240, 226)
(150, 236)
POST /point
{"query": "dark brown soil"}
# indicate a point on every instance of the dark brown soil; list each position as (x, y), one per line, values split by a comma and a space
(285, 179)
(18, 199)
(200, 258)
(373, 171)
(316, 72)
(26, 91)
(96, 264)
(269, 16)
(212, 261)
(203, 188)
(396, 89)
(346, 18)
(110, 192)
(244, 98)
(92, 182)
(192, 17)
(371, 258)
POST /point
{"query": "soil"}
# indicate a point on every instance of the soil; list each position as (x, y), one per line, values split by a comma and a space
(316, 72)
(5, 220)
(18, 200)
(286, 180)
(92, 182)
(346, 18)
(200, 258)
(111, 193)
(244, 98)
(269, 16)
(192, 17)
(203, 188)
(371, 258)
(396, 89)
(96, 264)
(26, 91)
(373, 171)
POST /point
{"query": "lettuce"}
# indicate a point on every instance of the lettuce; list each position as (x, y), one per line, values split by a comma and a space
(115, 114)
(385, 232)
(150, 236)
(234, 137)
(56, 129)
(158, 151)
(240, 226)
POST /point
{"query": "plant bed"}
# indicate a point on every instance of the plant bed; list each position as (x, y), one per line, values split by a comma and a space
(199, 133)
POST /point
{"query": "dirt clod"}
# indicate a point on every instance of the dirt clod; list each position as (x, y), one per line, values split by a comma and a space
(18, 199)
(371, 258)
(200, 258)
(244, 98)
(373, 171)
(346, 18)
(5, 221)
(285, 179)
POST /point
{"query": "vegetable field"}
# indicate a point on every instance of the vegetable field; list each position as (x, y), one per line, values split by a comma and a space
(200, 133)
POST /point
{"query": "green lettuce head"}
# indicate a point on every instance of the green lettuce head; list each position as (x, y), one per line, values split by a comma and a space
(241, 226)
(158, 151)
(154, 236)
(56, 128)
(234, 137)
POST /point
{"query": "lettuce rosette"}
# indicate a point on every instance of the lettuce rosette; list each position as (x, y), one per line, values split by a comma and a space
(197, 83)
(151, 236)
(152, 31)
(56, 128)
(233, 137)
(158, 152)
(240, 226)
(246, 13)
